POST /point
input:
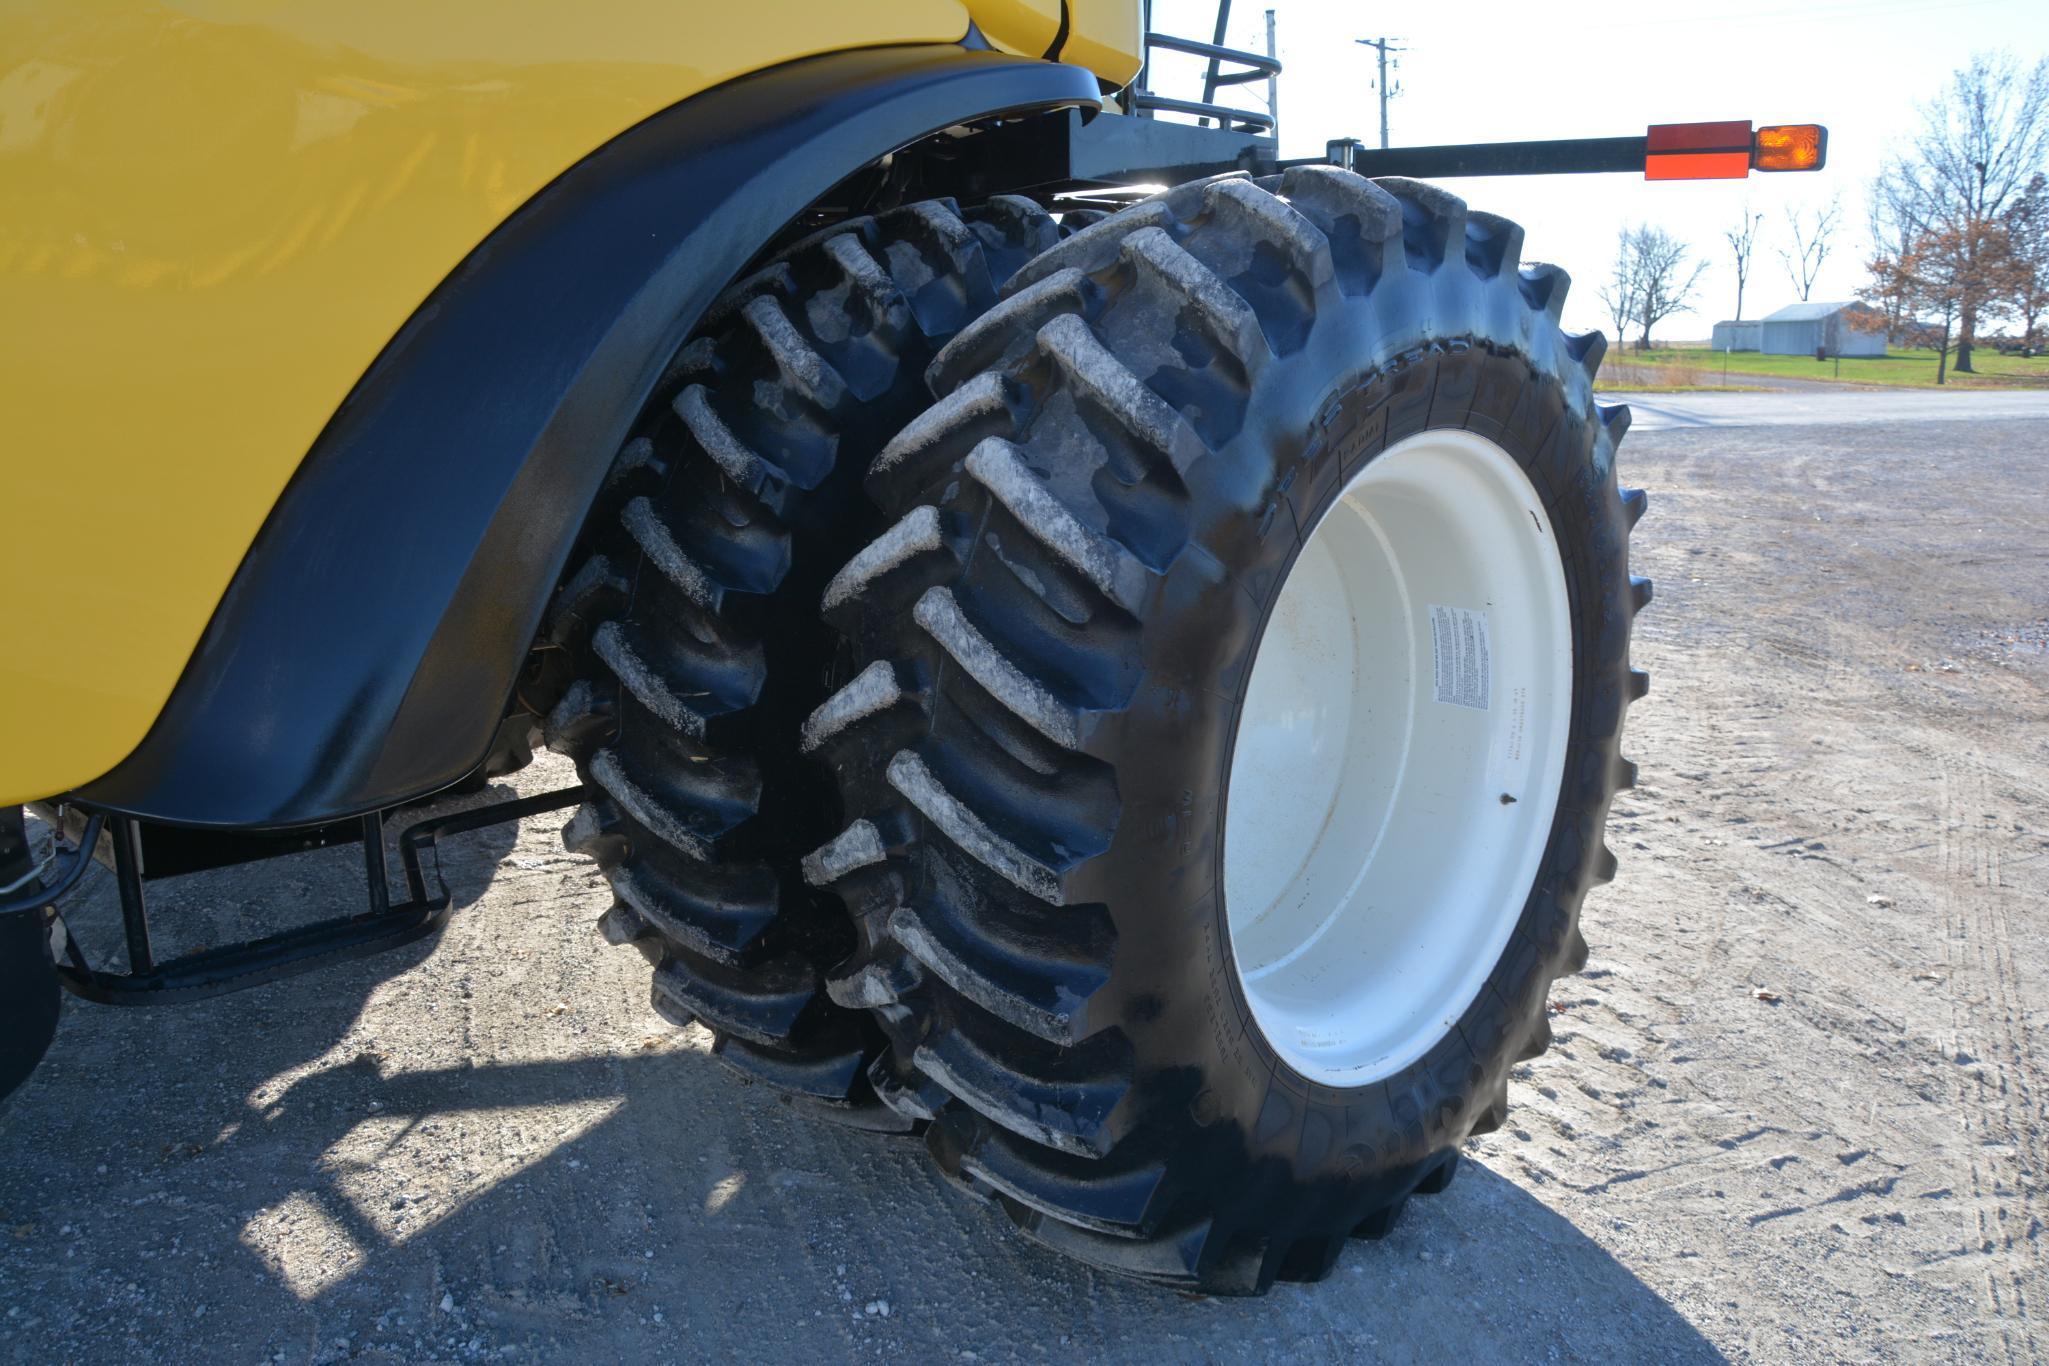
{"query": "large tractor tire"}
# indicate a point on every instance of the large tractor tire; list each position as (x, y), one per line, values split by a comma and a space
(1246, 668)
(694, 642)
(30, 1000)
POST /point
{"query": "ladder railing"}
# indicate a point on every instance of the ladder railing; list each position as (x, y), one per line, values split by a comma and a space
(1227, 66)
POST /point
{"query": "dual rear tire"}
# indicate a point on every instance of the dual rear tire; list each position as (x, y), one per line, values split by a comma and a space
(1228, 710)
(690, 628)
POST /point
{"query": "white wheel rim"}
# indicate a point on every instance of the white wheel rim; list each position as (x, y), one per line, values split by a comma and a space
(1373, 872)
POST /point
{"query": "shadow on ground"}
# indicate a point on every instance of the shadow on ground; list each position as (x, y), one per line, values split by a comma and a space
(317, 1171)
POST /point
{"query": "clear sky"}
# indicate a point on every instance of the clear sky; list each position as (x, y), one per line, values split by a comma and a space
(1484, 71)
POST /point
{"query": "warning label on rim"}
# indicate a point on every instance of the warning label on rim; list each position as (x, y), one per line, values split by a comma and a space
(1464, 666)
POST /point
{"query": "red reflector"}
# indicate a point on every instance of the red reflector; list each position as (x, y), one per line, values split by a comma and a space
(1697, 166)
(1733, 136)
(1697, 151)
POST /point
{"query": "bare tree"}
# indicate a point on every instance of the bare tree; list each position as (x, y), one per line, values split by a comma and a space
(1981, 141)
(1812, 238)
(1742, 240)
(1619, 295)
(2027, 237)
(1665, 277)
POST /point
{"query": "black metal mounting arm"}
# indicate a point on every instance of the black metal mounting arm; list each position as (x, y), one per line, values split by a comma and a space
(1726, 150)
(1556, 156)
(233, 967)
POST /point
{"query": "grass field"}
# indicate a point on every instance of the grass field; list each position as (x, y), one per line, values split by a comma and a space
(1684, 373)
(1696, 366)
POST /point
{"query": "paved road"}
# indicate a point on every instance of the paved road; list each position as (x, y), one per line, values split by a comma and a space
(1657, 412)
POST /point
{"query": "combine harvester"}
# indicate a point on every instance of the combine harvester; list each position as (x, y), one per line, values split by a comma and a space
(1125, 687)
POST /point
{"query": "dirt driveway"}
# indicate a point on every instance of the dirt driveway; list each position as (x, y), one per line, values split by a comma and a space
(1796, 1111)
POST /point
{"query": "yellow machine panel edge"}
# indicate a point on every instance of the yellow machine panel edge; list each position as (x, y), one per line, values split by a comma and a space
(213, 216)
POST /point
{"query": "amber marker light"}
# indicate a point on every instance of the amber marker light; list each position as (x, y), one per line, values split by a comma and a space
(1790, 147)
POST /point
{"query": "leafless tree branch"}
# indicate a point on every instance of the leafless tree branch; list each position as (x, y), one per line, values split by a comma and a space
(1812, 238)
(1742, 240)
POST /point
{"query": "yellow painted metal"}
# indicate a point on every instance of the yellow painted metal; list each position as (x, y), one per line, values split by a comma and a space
(212, 217)
(1107, 37)
(1025, 27)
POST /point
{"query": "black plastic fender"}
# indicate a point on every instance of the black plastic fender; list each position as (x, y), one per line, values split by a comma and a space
(363, 654)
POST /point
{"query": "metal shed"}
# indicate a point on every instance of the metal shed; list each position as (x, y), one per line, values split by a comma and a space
(1843, 329)
(1744, 335)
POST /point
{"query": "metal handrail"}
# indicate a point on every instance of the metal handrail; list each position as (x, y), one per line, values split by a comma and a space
(1256, 67)
(1261, 64)
(1252, 120)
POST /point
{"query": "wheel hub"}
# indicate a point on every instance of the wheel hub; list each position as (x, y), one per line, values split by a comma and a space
(1398, 758)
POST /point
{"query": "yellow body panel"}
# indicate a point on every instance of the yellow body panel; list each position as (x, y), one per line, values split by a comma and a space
(214, 215)
(1025, 27)
(1107, 37)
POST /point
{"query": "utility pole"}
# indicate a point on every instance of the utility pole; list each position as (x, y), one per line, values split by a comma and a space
(1383, 46)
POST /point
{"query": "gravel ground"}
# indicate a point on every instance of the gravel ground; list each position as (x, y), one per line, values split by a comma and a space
(1795, 1111)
